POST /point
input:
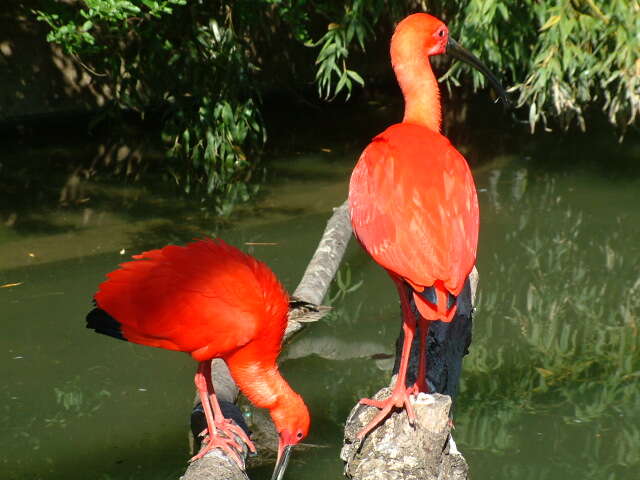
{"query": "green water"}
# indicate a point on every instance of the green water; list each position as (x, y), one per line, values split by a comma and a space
(550, 389)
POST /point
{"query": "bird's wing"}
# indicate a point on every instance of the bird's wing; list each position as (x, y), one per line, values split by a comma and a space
(414, 207)
(206, 296)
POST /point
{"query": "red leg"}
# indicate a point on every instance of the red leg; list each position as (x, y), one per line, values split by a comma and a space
(224, 424)
(216, 423)
(421, 381)
(400, 394)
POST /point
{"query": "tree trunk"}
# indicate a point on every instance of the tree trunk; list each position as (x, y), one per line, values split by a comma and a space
(396, 450)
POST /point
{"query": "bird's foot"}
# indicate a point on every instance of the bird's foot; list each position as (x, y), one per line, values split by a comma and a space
(399, 398)
(226, 443)
(229, 428)
(230, 447)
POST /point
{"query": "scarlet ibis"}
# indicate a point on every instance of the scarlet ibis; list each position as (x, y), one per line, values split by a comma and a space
(210, 300)
(414, 206)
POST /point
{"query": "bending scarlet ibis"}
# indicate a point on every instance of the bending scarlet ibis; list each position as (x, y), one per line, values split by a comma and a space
(210, 300)
(414, 206)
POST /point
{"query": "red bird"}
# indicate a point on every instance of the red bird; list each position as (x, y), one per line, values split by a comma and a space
(212, 301)
(413, 203)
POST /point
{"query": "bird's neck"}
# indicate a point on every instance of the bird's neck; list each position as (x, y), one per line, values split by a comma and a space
(419, 88)
(258, 377)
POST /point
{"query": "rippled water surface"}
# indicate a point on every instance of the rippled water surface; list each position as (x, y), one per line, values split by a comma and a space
(551, 389)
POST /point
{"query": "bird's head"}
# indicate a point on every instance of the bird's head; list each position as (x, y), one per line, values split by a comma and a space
(291, 418)
(422, 35)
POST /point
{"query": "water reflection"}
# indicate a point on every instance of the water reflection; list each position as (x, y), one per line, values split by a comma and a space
(557, 335)
(550, 389)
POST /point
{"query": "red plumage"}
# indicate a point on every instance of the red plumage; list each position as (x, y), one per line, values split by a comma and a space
(414, 206)
(210, 300)
(206, 298)
(414, 209)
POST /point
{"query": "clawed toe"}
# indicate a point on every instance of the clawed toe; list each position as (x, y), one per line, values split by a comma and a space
(399, 398)
(228, 446)
(227, 443)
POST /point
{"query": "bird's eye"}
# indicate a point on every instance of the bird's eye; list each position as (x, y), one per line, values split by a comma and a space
(441, 33)
(299, 435)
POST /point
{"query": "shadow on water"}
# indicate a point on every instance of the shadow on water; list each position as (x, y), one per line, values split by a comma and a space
(550, 389)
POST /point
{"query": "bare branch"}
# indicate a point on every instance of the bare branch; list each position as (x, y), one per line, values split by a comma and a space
(322, 268)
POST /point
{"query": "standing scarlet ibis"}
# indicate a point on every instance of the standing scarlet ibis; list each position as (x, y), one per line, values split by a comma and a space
(414, 206)
(210, 300)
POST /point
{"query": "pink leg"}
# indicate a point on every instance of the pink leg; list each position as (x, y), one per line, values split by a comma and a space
(400, 394)
(421, 382)
(216, 423)
(224, 424)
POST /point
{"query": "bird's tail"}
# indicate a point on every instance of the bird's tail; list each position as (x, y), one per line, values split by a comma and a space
(102, 322)
(447, 343)
(435, 302)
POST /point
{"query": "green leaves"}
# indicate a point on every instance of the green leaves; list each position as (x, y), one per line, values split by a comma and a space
(553, 19)
(72, 29)
(343, 286)
(199, 63)
(215, 143)
(221, 135)
(561, 56)
(580, 58)
(332, 74)
(191, 64)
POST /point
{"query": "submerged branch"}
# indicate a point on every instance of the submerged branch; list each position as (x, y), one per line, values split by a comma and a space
(304, 308)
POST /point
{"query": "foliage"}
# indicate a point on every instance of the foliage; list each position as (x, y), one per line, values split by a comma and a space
(204, 63)
(331, 61)
(187, 62)
(342, 286)
(561, 56)
(111, 14)
(584, 54)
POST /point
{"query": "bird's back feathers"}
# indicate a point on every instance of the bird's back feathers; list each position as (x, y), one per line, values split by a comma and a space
(206, 298)
(414, 209)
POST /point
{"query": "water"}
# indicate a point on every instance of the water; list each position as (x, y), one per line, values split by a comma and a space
(550, 390)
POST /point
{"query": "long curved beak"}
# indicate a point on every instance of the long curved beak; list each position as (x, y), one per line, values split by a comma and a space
(281, 464)
(457, 51)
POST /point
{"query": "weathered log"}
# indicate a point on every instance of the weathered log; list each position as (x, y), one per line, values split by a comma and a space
(398, 451)
(395, 449)
(304, 308)
(321, 269)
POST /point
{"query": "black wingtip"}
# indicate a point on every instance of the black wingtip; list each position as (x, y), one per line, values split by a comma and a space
(102, 322)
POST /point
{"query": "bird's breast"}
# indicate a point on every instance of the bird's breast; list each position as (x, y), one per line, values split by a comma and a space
(414, 206)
